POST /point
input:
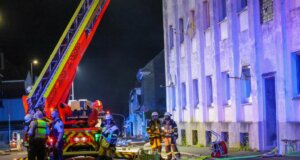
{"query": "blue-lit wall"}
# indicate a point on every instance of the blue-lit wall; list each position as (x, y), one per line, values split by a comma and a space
(234, 71)
(12, 107)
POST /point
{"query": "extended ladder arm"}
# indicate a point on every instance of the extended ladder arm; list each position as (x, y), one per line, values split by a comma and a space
(54, 82)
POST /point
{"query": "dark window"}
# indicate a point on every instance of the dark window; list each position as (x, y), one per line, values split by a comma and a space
(209, 91)
(266, 10)
(208, 138)
(181, 30)
(296, 73)
(195, 137)
(241, 5)
(206, 17)
(226, 87)
(191, 24)
(171, 38)
(246, 85)
(183, 95)
(183, 137)
(244, 140)
(225, 137)
(222, 9)
(195, 92)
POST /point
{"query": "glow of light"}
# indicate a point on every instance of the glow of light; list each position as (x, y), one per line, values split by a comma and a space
(83, 139)
(35, 61)
(76, 139)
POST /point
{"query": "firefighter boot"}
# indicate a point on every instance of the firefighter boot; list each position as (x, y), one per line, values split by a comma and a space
(159, 152)
(168, 152)
(175, 151)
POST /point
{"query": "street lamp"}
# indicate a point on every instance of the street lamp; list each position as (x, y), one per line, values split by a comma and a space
(34, 62)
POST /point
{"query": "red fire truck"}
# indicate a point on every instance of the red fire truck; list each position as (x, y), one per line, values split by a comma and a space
(52, 87)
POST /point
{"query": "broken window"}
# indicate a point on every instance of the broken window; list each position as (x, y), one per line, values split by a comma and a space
(266, 10)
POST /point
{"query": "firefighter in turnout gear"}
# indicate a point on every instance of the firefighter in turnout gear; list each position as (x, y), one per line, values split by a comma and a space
(110, 133)
(38, 133)
(28, 118)
(170, 135)
(57, 132)
(154, 132)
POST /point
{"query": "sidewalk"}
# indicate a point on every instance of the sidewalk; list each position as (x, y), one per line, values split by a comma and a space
(204, 153)
(3, 149)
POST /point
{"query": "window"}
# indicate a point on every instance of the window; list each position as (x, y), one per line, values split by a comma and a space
(246, 85)
(171, 38)
(195, 137)
(266, 10)
(173, 97)
(183, 137)
(208, 138)
(296, 73)
(195, 92)
(191, 29)
(241, 5)
(183, 95)
(244, 140)
(181, 30)
(225, 137)
(206, 17)
(226, 88)
(222, 9)
(209, 91)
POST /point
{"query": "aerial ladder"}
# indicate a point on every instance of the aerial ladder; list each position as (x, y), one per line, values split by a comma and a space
(54, 82)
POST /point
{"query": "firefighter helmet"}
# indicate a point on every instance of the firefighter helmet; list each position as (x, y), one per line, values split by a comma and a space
(168, 114)
(28, 118)
(38, 114)
(97, 104)
(154, 114)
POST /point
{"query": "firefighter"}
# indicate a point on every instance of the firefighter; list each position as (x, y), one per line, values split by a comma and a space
(154, 131)
(93, 117)
(38, 132)
(57, 132)
(28, 118)
(110, 133)
(170, 135)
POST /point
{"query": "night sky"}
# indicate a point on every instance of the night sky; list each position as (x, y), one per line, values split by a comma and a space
(128, 37)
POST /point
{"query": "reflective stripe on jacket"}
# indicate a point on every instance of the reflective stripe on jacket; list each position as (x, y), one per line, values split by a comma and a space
(169, 128)
(40, 129)
(154, 129)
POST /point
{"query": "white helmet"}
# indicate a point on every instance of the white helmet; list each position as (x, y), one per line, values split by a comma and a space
(38, 114)
(154, 114)
(168, 114)
(108, 117)
(28, 118)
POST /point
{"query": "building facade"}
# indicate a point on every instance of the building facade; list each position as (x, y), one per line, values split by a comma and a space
(149, 96)
(233, 67)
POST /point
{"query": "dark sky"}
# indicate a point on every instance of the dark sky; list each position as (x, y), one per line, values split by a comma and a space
(129, 35)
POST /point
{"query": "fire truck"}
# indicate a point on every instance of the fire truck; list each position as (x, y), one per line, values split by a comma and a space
(51, 89)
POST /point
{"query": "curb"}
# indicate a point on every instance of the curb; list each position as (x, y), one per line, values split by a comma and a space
(3, 153)
(190, 154)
